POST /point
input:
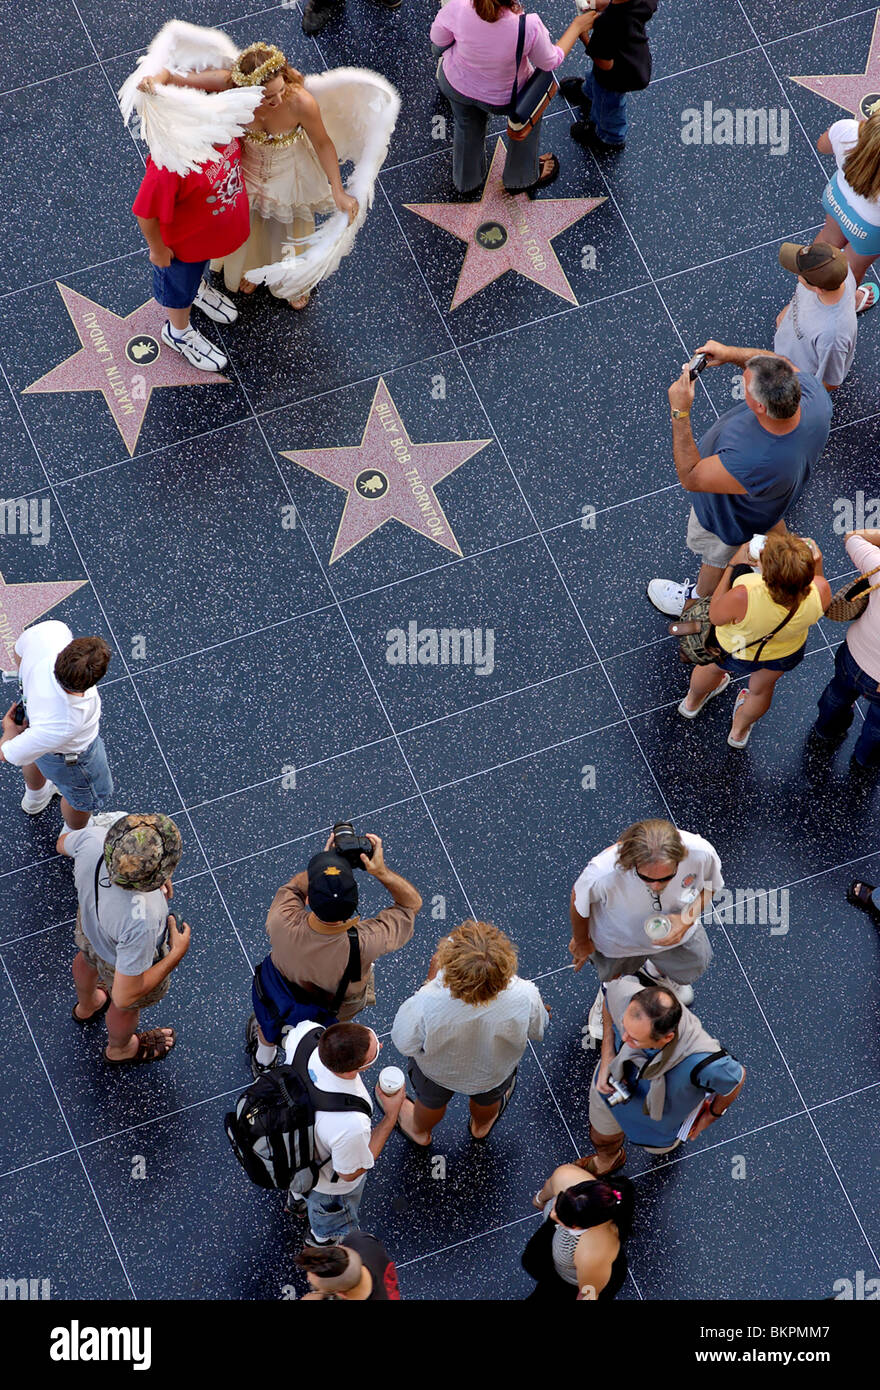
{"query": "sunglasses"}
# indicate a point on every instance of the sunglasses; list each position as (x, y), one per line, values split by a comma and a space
(661, 878)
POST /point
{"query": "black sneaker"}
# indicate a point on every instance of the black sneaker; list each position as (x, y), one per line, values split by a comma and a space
(252, 1042)
(316, 14)
(584, 133)
(572, 89)
(323, 1240)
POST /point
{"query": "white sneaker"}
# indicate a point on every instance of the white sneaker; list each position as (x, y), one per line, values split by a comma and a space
(594, 1026)
(683, 993)
(196, 349)
(669, 597)
(106, 818)
(215, 304)
(32, 803)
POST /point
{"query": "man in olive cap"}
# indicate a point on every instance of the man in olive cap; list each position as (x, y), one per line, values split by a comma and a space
(817, 330)
(128, 941)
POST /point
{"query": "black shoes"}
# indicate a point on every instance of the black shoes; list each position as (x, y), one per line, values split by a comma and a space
(316, 14)
(572, 89)
(584, 133)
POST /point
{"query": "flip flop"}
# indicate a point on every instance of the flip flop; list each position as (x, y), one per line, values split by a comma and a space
(867, 295)
(740, 742)
(417, 1142)
(859, 894)
(97, 1014)
(692, 713)
(505, 1101)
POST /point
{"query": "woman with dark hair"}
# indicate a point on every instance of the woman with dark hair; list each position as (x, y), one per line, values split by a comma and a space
(478, 42)
(852, 199)
(761, 623)
(577, 1254)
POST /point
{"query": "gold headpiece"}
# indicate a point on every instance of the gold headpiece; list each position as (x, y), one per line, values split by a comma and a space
(273, 63)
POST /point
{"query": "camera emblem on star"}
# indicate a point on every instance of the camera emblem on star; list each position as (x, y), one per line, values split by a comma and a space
(490, 235)
(371, 483)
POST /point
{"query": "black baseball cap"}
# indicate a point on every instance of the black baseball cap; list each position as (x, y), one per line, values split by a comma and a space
(333, 890)
(820, 264)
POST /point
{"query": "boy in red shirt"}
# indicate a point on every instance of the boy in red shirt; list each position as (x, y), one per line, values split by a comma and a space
(186, 221)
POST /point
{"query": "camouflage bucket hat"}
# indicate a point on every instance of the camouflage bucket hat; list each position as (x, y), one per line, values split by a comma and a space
(141, 851)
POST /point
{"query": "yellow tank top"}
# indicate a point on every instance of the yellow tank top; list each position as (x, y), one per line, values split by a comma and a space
(762, 616)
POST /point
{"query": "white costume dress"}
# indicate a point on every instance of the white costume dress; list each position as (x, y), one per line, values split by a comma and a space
(286, 187)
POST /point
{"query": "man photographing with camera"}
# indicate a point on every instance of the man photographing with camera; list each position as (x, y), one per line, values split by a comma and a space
(321, 963)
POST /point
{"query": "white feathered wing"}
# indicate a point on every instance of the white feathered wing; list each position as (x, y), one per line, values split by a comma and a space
(359, 109)
(182, 125)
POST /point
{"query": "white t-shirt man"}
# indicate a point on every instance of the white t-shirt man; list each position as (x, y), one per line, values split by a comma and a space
(618, 903)
(342, 1138)
(57, 721)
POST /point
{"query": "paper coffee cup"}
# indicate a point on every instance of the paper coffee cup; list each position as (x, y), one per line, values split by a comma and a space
(390, 1080)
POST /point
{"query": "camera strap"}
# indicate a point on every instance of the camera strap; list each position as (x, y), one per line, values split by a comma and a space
(352, 970)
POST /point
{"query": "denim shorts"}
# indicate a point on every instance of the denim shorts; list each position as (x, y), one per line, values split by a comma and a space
(863, 237)
(737, 667)
(175, 286)
(86, 784)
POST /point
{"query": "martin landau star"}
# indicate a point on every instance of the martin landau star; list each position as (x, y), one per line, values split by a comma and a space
(507, 231)
(387, 477)
(848, 89)
(21, 604)
(124, 358)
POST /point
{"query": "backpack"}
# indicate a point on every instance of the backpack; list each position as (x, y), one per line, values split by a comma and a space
(272, 1128)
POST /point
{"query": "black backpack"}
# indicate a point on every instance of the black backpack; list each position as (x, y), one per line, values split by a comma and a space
(272, 1128)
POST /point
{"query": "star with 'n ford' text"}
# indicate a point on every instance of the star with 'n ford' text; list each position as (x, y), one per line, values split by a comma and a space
(124, 358)
(388, 477)
(22, 604)
(855, 92)
(507, 231)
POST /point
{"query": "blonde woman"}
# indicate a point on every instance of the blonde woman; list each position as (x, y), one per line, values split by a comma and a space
(852, 199)
(289, 163)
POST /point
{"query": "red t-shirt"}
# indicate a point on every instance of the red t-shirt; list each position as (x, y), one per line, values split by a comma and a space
(203, 214)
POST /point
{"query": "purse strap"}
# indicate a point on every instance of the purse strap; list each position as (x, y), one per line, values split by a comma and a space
(861, 579)
(764, 640)
(520, 45)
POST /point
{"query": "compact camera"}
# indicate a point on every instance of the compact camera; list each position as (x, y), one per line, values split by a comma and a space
(696, 365)
(18, 714)
(756, 545)
(350, 845)
(621, 1092)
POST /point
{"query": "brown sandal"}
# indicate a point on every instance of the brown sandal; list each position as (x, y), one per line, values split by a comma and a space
(589, 1164)
(246, 286)
(153, 1046)
(97, 1014)
(548, 166)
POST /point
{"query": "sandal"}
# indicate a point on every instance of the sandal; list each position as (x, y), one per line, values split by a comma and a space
(97, 1014)
(860, 895)
(589, 1164)
(548, 165)
(153, 1046)
(867, 295)
(418, 1143)
(246, 286)
(505, 1101)
(692, 713)
(740, 742)
(301, 302)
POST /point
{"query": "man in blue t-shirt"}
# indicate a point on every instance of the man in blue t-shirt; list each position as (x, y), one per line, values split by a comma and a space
(748, 468)
(663, 1065)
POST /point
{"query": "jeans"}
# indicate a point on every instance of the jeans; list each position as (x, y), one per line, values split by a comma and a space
(333, 1214)
(607, 112)
(87, 784)
(836, 702)
(469, 163)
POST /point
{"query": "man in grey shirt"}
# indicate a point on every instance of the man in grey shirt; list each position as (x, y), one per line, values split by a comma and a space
(817, 330)
(466, 1030)
(128, 940)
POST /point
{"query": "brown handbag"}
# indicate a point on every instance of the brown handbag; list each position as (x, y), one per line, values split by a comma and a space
(851, 601)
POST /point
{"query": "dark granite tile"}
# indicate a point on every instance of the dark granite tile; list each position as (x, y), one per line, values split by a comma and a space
(435, 404)
(252, 707)
(735, 194)
(841, 46)
(20, 471)
(534, 632)
(710, 1217)
(39, 137)
(221, 501)
(41, 38)
(574, 446)
(130, 28)
(75, 431)
(706, 36)
(848, 1129)
(52, 1229)
(485, 1267)
(775, 18)
(33, 1127)
(211, 984)
(804, 945)
(520, 835)
(842, 493)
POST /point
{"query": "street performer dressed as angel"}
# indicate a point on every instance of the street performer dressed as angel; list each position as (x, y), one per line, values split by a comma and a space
(291, 151)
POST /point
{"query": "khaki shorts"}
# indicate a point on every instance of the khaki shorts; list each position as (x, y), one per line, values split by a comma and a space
(711, 549)
(602, 1119)
(107, 973)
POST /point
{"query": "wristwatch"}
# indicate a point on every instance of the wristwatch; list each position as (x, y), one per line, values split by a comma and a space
(680, 414)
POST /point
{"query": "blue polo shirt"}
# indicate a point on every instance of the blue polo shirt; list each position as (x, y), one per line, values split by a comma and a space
(773, 468)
